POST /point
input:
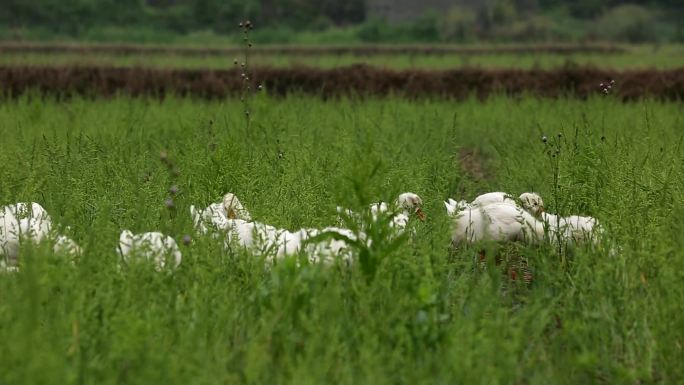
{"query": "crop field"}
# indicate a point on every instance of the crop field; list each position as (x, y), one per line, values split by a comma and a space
(399, 57)
(420, 311)
(358, 80)
(454, 72)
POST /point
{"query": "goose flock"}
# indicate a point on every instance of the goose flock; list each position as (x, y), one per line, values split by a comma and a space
(495, 216)
(231, 221)
(500, 217)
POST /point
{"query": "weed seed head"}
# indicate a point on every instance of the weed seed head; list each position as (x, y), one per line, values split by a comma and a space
(607, 86)
(169, 203)
(245, 96)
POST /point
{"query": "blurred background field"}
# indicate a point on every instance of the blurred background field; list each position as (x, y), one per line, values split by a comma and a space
(436, 35)
(338, 22)
(584, 42)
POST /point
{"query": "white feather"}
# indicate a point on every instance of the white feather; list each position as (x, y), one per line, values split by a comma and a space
(152, 246)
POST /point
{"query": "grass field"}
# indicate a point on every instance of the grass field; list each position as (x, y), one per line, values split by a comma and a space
(428, 314)
(660, 57)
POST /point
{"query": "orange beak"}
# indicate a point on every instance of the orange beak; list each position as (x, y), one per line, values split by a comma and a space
(421, 215)
(231, 214)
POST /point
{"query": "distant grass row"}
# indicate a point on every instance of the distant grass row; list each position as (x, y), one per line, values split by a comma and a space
(661, 57)
(428, 315)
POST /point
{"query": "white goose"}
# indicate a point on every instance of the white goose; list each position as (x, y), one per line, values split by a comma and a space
(219, 215)
(9, 237)
(453, 206)
(278, 243)
(531, 202)
(539, 225)
(406, 205)
(152, 246)
(329, 248)
(409, 204)
(232, 219)
(234, 209)
(573, 229)
(493, 197)
(22, 221)
(263, 239)
(583, 228)
(66, 245)
(499, 222)
(29, 222)
(213, 217)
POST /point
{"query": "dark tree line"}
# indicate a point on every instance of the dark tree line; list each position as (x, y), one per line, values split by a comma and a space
(73, 16)
(179, 15)
(591, 8)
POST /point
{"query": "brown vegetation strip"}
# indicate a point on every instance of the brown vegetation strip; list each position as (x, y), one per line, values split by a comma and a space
(354, 80)
(358, 50)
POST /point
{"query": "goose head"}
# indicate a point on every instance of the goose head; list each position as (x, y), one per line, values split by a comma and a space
(532, 203)
(234, 208)
(412, 204)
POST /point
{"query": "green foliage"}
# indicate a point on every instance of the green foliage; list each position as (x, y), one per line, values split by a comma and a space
(376, 30)
(498, 13)
(632, 23)
(636, 56)
(417, 312)
(459, 24)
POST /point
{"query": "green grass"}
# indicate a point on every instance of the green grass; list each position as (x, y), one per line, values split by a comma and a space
(669, 56)
(428, 315)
